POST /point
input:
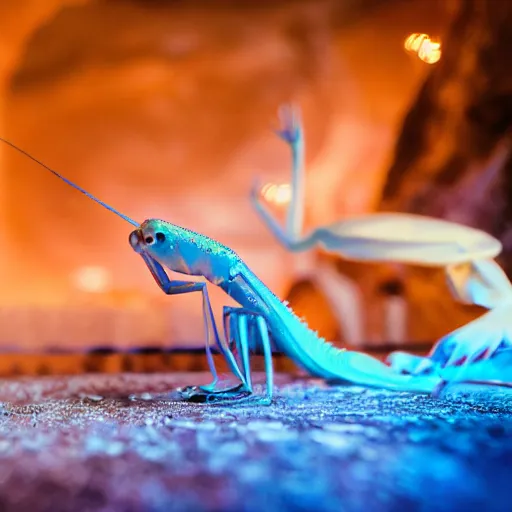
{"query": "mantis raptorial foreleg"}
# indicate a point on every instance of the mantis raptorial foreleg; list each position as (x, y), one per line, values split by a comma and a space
(292, 133)
(178, 287)
(291, 236)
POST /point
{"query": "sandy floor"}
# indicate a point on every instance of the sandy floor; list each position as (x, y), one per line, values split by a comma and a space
(83, 443)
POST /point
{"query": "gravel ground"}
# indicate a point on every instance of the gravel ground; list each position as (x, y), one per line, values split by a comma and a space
(84, 443)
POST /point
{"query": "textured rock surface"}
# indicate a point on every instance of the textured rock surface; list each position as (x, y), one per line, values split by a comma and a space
(316, 448)
(452, 158)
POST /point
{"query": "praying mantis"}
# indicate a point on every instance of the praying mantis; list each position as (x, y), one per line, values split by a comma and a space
(260, 317)
(466, 254)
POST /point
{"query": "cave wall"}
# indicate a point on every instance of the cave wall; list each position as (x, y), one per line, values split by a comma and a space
(165, 109)
(452, 157)
(18, 21)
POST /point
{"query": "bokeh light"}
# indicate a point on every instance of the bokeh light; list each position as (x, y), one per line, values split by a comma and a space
(428, 51)
(278, 194)
(92, 279)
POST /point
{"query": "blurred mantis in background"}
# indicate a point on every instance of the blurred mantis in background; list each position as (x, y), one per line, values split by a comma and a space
(466, 254)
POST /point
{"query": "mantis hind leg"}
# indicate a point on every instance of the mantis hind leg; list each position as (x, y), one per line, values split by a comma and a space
(243, 327)
(248, 329)
(253, 326)
(235, 335)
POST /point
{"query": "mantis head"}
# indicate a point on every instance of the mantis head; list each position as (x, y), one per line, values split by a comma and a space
(149, 237)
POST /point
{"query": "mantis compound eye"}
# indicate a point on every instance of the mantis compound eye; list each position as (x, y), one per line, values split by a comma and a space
(136, 240)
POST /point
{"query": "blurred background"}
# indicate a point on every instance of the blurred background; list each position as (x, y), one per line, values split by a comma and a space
(166, 109)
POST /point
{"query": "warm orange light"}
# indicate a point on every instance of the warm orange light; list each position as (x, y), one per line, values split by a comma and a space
(91, 279)
(277, 194)
(414, 41)
(427, 50)
(430, 52)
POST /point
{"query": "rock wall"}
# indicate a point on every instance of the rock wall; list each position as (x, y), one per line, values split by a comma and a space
(165, 108)
(452, 157)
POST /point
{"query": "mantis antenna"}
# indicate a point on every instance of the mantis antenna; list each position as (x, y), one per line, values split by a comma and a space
(65, 180)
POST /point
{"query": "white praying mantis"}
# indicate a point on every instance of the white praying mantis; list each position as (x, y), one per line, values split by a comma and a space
(466, 255)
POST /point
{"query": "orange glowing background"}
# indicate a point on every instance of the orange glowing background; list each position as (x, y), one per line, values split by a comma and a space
(167, 110)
